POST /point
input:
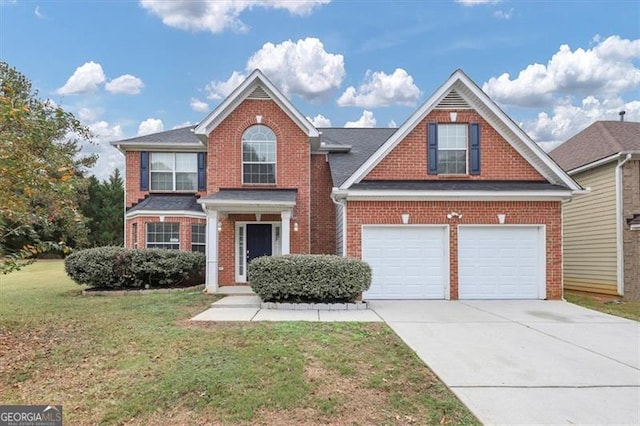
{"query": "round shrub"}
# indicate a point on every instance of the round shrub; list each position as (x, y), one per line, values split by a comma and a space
(309, 278)
(117, 268)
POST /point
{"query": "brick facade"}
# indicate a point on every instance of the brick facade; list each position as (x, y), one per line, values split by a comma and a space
(498, 159)
(141, 223)
(473, 212)
(323, 211)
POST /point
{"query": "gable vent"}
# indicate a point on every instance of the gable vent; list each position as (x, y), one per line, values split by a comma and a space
(259, 93)
(453, 101)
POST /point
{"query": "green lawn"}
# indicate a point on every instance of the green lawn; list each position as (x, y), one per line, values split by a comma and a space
(138, 360)
(622, 308)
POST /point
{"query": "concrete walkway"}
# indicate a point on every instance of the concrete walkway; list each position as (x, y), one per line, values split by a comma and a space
(247, 308)
(526, 362)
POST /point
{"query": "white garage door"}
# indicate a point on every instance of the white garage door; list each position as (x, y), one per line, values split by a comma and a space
(505, 262)
(407, 262)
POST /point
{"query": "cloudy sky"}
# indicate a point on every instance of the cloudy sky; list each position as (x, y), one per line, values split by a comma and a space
(127, 68)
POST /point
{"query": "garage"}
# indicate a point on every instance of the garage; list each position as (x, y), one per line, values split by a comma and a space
(501, 262)
(407, 262)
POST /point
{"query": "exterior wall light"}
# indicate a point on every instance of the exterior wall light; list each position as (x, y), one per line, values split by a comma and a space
(219, 226)
(295, 226)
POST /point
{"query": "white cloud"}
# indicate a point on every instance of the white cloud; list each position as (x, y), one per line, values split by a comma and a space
(126, 84)
(380, 89)
(302, 68)
(549, 130)
(476, 2)
(199, 106)
(182, 125)
(88, 114)
(86, 78)
(109, 158)
(222, 89)
(392, 124)
(366, 120)
(320, 121)
(503, 14)
(150, 125)
(216, 16)
(606, 70)
(39, 13)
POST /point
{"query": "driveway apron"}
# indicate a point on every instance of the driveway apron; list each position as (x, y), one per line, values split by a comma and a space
(526, 362)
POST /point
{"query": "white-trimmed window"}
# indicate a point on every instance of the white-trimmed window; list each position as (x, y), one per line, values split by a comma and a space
(174, 171)
(259, 155)
(198, 238)
(163, 235)
(452, 149)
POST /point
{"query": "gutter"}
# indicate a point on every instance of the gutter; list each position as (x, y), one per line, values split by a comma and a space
(622, 160)
(339, 198)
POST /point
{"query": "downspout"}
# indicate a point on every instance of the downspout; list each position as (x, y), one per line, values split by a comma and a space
(124, 208)
(341, 202)
(620, 223)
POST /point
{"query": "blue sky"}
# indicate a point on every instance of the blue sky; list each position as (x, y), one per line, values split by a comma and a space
(129, 67)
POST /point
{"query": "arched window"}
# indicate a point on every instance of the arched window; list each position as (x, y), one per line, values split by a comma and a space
(259, 155)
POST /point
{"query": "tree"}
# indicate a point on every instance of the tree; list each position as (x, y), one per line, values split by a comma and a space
(41, 172)
(104, 208)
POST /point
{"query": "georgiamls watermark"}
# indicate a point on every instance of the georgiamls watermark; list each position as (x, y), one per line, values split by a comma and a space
(30, 415)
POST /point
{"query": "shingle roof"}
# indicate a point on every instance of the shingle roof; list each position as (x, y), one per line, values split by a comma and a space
(600, 140)
(180, 136)
(363, 142)
(159, 202)
(255, 195)
(457, 185)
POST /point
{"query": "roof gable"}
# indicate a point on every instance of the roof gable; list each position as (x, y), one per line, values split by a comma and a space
(255, 86)
(600, 140)
(461, 90)
(182, 138)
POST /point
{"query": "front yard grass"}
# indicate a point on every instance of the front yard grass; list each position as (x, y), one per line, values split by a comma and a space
(138, 360)
(610, 305)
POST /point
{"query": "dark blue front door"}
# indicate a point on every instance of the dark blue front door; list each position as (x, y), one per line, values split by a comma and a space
(258, 241)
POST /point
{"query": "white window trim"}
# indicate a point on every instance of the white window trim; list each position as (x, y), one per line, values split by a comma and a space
(275, 250)
(204, 244)
(465, 149)
(156, 244)
(173, 172)
(275, 163)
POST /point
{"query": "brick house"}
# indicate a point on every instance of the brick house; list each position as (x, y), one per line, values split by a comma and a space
(456, 203)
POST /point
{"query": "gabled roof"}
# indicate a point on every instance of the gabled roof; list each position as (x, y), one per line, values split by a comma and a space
(255, 80)
(469, 92)
(600, 140)
(176, 138)
(363, 142)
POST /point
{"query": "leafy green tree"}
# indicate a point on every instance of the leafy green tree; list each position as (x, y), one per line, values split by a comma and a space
(41, 172)
(104, 208)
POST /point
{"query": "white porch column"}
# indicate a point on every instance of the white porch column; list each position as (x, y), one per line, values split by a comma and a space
(286, 231)
(212, 251)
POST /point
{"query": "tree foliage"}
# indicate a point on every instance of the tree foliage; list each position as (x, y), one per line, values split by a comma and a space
(104, 209)
(41, 171)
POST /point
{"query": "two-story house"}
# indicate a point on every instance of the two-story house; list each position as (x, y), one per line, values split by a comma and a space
(456, 203)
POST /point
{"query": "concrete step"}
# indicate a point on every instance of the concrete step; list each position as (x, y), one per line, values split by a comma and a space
(244, 301)
(235, 290)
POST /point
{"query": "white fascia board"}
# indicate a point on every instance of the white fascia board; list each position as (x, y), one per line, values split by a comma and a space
(171, 213)
(240, 93)
(386, 195)
(247, 206)
(602, 161)
(184, 147)
(459, 77)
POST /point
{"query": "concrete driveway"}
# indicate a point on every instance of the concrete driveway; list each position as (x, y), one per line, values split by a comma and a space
(526, 362)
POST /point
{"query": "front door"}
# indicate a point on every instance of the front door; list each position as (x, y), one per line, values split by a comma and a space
(259, 242)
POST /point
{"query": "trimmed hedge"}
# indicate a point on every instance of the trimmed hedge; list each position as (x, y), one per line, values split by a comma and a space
(309, 278)
(117, 268)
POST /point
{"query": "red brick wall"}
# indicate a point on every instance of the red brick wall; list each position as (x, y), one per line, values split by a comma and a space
(473, 212)
(185, 229)
(323, 211)
(224, 167)
(498, 160)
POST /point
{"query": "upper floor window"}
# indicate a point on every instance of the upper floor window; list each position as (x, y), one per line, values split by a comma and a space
(452, 149)
(259, 155)
(174, 171)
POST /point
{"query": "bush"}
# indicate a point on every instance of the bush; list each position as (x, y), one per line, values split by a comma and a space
(118, 268)
(309, 278)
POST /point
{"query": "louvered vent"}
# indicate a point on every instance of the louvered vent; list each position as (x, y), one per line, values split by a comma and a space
(453, 101)
(259, 93)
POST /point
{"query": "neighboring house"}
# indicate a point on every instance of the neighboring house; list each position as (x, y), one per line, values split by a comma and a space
(602, 229)
(457, 203)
